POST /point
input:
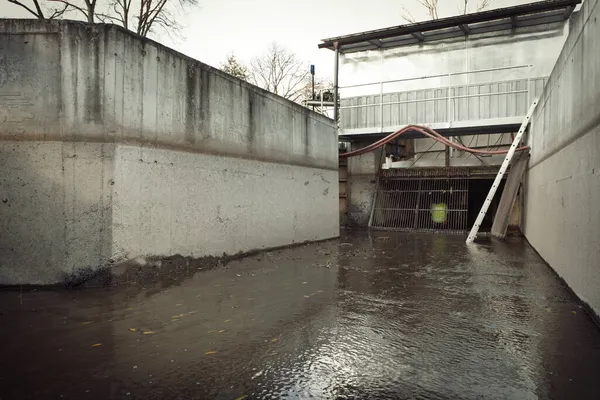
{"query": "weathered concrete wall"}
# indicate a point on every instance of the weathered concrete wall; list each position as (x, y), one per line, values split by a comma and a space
(216, 204)
(115, 147)
(562, 217)
(361, 186)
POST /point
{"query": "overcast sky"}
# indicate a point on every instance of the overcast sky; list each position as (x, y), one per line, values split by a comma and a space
(216, 28)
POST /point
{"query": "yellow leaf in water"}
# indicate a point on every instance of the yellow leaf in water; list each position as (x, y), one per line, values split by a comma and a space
(86, 322)
(208, 353)
(574, 312)
(222, 330)
(177, 316)
(148, 333)
(129, 309)
(274, 340)
(132, 330)
(242, 397)
(97, 345)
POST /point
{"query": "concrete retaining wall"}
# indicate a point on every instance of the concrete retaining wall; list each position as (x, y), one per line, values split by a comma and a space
(114, 147)
(361, 186)
(562, 217)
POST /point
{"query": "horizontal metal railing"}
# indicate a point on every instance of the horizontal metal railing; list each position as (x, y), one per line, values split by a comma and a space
(475, 71)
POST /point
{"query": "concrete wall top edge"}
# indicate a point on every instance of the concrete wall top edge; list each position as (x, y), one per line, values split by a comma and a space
(99, 82)
(28, 25)
(555, 122)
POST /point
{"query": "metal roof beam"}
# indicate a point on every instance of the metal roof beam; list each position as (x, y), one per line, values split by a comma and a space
(418, 35)
(568, 12)
(375, 42)
(514, 21)
(465, 28)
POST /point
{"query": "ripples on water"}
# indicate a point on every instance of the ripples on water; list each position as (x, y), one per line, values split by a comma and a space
(369, 316)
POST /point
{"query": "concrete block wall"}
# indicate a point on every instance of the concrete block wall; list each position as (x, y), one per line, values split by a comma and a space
(114, 147)
(562, 217)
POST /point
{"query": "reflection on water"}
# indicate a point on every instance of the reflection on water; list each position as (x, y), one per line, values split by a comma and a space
(381, 315)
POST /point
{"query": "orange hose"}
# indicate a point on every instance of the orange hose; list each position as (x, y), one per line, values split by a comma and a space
(427, 132)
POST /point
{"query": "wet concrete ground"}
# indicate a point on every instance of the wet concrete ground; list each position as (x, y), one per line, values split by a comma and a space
(377, 316)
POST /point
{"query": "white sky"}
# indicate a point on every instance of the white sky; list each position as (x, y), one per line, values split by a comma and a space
(217, 28)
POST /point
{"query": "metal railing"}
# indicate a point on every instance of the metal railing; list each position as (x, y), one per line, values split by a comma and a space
(473, 98)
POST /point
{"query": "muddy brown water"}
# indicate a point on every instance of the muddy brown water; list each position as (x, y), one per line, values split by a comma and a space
(379, 316)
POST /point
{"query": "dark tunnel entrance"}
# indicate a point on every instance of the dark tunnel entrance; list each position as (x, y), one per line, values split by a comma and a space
(434, 199)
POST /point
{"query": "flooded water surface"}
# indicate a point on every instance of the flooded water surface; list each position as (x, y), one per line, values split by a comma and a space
(379, 316)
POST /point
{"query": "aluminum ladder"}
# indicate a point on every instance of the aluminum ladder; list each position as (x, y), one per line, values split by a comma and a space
(501, 172)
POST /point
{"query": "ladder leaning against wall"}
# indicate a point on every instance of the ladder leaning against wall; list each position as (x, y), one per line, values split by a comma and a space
(501, 172)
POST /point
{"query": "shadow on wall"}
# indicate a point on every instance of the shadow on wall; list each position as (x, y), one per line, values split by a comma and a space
(55, 215)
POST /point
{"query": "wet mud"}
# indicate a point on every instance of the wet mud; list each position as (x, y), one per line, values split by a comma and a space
(379, 316)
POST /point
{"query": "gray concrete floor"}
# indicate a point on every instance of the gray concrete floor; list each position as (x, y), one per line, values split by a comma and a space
(385, 315)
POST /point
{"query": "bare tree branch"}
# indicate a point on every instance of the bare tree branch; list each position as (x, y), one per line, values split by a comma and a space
(38, 10)
(432, 8)
(407, 16)
(279, 71)
(483, 5)
(76, 7)
(58, 12)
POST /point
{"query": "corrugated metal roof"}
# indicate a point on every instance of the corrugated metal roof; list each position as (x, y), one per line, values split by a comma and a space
(538, 13)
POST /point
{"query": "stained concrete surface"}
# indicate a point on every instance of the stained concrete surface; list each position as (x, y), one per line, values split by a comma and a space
(562, 183)
(114, 147)
(366, 316)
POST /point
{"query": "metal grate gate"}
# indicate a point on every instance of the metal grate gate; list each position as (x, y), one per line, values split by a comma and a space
(405, 197)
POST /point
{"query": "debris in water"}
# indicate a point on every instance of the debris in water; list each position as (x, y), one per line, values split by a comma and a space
(242, 397)
(346, 244)
(256, 375)
(97, 345)
(132, 330)
(148, 332)
(227, 320)
(208, 353)
(87, 322)
(222, 330)
(274, 340)
(178, 304)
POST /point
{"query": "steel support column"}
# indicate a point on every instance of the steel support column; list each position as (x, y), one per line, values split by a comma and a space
(336, 107)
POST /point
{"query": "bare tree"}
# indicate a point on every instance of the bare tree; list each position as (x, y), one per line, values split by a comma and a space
(145, 16)
(37, 11)
(279, 71)
(235, 68)
(432, 8)
(158, 13)
(141, 16)
(88, 9)
(118, 12)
